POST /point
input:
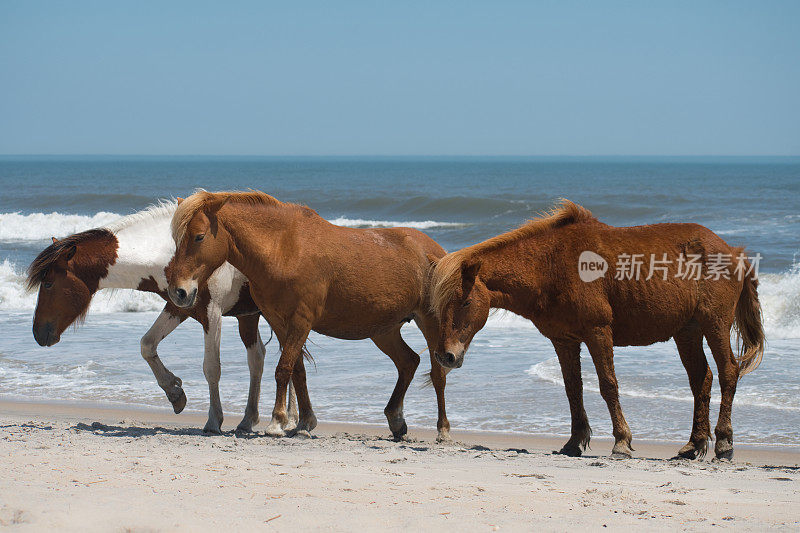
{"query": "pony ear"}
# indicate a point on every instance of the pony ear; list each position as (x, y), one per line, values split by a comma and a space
(70, 253)
(54, 240)
(216, 204)
(470, 268)
(66, 255)
(180, 200)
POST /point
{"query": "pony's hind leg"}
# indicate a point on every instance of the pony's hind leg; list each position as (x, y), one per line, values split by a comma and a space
(569, 357)
(690, 347)
(719, 340)
(601, 348)
(251, 338)
(406, 360)
(165, 324)
(212, 370)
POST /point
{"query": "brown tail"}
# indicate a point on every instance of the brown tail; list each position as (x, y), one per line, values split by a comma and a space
(749, 327)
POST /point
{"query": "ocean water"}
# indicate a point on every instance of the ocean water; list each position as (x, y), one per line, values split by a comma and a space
(510, 380)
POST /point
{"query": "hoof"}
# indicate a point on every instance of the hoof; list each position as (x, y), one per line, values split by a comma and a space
(692, 451)
(244, 428)
(399, 433)
(444, 438)
(622, 450)
(687, 452)
(212, 429)
(307, 424)
(301, 434)
(726, 456)
(177, 399)
(570, 450)
(274, 429)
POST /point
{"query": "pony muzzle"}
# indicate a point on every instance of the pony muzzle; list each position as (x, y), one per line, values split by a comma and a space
(45, 334)
(183, 296)
(451, 358)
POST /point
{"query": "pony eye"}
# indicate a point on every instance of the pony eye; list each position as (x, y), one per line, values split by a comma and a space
(466, 303)
(48, 284)
(199, 237)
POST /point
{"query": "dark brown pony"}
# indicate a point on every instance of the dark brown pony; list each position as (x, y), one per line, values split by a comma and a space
(308, 274)
(533, 271)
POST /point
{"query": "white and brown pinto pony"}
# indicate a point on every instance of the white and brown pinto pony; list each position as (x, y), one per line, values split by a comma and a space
(533, 271)
(308, 274)
(132, 254)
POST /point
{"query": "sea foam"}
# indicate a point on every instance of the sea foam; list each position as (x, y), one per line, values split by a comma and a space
(15, 227)
(418, 224)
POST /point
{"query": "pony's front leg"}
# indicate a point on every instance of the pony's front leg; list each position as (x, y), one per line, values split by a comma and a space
(430, 330)
(569, 357)
(306, 420)
(439, 381)
(251, 338)
(291, 349)
(169, 383)
(212, 370)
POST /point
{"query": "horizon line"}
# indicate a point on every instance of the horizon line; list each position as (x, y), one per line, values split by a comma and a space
(354, 155)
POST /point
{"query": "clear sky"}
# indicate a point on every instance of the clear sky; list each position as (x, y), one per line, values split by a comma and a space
(392, 78)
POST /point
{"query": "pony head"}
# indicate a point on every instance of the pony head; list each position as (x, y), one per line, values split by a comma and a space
(201, 245)
(67, 274)
(461, 302)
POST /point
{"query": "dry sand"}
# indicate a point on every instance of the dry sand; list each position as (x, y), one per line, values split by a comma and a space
(83, 468)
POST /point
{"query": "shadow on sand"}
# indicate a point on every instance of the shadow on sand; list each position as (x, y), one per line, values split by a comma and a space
(135, 431)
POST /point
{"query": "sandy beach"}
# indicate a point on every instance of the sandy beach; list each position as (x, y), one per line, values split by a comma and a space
(74, 467)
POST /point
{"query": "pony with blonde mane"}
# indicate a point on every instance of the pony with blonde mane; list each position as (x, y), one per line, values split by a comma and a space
(308, 274)
(552, 271)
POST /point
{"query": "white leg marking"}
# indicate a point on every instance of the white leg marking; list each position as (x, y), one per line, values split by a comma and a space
(212, 370)
(255, 361)
(163, 326)
(291, 407)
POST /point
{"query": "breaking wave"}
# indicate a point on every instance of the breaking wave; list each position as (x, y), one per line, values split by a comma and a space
(424, 224)
(15, 227)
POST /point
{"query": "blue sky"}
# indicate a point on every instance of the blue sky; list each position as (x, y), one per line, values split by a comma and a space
(392, 78)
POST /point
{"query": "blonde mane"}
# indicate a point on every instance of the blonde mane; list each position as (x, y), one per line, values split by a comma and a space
(446, 275)
(202, 199)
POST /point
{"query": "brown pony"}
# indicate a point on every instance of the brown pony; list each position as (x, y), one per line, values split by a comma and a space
(308, 274)
(535, 271)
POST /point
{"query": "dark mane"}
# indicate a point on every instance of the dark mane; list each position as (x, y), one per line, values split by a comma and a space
(39, 267)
